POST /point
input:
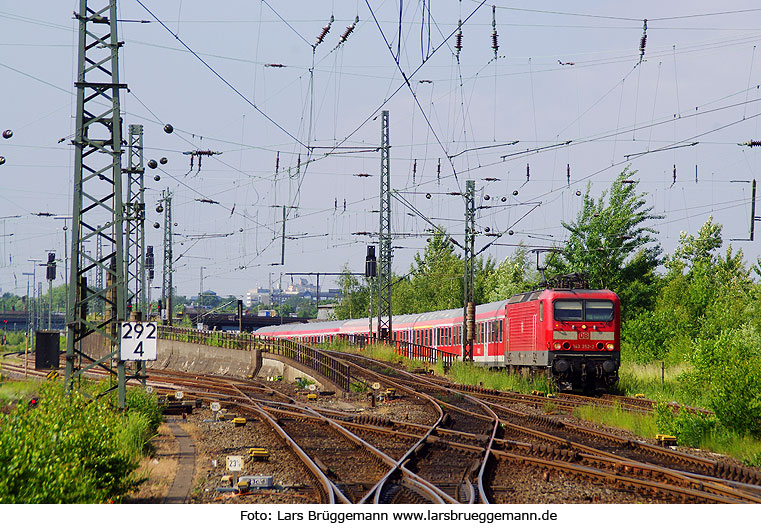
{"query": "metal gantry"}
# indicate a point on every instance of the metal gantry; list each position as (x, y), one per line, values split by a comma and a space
(468, 291)
(97, 206)
(384, 236)
(166, 284)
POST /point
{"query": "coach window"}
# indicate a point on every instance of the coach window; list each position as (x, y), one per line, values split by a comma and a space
(541, 311)
(599, 310)
(568, 310)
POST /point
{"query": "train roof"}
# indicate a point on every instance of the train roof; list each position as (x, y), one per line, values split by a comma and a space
(405, 319)
(361, 324)
(545, 293)
(303, 327)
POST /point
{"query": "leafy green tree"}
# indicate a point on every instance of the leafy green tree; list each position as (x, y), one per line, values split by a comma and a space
(435, 280)
(512, 276)
(612, 243)
(356, 296)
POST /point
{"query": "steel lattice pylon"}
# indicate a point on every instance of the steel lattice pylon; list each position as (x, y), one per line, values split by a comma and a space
(166, 285)
(134, 242)
(135, 222)
(384, 237)
(98, 209)
(468, 286)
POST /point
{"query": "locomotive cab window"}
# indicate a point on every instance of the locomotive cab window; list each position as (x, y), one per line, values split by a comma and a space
(589, 310)
(599, 310)
(568, 310)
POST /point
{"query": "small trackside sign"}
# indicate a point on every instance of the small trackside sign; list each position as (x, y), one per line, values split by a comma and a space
(235, 463)
(138, 340)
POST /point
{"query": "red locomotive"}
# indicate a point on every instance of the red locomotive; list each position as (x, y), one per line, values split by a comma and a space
(570, 334)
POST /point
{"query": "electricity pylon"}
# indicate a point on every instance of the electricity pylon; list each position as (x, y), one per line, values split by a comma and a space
(97, 209)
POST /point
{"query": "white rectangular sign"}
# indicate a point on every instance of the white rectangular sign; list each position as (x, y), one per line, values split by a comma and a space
(235, 463)
(138, 340)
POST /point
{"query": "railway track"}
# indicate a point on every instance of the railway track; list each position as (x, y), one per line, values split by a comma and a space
(465, 444)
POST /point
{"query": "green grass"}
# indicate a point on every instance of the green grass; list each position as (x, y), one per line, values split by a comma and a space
(463, 373)
(743, 448)
(646, 379)
(11, 391)
(642, 425)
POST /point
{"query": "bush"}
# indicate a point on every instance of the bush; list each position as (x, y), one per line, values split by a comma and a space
(736, 397)
(65, 450)
(689, 429)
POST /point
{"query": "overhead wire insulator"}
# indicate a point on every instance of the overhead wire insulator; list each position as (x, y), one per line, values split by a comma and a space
(752, 143)
(438, 171)
(324, 32)
(277, 163)
(414, 170)
(458, 38)
(494, 43)
(568, 174)
(643, 41)
(674, 182)
(347, 31)
(528, 172)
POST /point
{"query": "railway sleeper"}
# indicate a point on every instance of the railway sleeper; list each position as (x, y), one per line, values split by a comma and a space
(736, 473)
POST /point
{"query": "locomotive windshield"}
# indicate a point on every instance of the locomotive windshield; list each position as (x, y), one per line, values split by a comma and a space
(599, 310)
(588, 310)
(568, 311)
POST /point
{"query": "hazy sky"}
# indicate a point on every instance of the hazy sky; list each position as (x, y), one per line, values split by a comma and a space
(563, 72)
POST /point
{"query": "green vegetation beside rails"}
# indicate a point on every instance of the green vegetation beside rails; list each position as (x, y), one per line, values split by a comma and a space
(459, 372)
(57, 448)
(15, 341)
(721, 432)
(702, 431)
(705, 431)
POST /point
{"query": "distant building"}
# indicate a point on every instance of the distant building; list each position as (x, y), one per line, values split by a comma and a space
(303, 288)
(326, 313)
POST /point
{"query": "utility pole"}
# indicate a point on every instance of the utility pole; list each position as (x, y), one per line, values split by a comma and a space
(200, 288)
(97, 198)
(469, 310)
(134, 242)
(282, 251)
(166, 285)
(384, 237)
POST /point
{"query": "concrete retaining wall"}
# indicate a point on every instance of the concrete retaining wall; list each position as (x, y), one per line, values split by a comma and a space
(197, 358)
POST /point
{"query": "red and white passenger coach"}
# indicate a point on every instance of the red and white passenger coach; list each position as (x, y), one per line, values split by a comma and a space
(572, 335)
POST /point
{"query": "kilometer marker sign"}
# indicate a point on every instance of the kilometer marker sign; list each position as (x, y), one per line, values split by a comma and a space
(138, 340)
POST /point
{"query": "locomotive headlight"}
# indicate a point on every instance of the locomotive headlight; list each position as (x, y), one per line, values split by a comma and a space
(609, 346)
(556, 346)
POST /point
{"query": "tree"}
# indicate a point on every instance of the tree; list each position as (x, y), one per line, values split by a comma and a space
(510, 277)
(611, 242)
(356, 296)
(435, 280)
